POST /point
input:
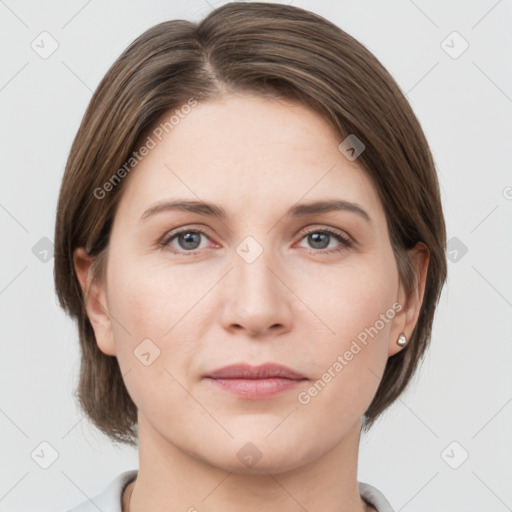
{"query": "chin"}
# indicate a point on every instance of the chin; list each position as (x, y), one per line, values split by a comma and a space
(270, 464)
(260, 455)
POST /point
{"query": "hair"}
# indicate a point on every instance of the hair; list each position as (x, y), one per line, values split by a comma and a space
(271, 50)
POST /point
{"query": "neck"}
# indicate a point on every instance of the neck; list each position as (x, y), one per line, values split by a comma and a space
(173, 480)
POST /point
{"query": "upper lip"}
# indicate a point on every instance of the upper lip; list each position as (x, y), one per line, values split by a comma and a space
(263, 371)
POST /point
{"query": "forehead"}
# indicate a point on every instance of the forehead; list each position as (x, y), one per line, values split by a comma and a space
(246, 151)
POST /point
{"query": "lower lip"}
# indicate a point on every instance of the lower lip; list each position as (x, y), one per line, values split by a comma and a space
(256, 388)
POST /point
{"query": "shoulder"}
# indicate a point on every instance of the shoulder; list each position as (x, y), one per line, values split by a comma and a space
(109, 499)
(374, 497)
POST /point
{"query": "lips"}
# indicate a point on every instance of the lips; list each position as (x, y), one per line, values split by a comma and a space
(255, 382)
(264, 371)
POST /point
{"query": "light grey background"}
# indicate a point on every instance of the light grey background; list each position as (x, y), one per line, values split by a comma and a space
(463, 392)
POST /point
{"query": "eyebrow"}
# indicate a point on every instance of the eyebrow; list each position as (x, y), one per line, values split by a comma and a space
(299, 210)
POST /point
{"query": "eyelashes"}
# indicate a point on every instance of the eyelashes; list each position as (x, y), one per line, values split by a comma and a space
(184, 235)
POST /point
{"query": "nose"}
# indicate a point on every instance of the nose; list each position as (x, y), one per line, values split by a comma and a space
(257, 299)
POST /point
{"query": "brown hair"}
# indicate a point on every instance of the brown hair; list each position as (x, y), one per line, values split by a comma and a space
(268, 49)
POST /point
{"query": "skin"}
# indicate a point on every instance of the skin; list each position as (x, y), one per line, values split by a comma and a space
(296, 304)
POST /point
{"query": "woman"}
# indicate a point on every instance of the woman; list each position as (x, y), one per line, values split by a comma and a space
(251, 238)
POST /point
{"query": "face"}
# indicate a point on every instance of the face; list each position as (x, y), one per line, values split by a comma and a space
(271, 281)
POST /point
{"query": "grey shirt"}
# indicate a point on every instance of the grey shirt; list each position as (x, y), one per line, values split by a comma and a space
(109, 500)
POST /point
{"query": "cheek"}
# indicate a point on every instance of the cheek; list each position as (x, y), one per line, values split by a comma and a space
(152, 314)
(157, 311)
(151, 299)
(347, 299)
(351, 349)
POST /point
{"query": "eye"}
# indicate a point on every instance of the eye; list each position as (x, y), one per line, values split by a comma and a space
(188, 241)
(320, 239)
(184, 241)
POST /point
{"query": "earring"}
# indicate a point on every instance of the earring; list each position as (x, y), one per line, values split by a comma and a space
(402, 340)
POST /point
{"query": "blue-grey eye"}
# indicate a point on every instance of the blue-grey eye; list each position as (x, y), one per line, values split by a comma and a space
(319, 240)
(187, 240)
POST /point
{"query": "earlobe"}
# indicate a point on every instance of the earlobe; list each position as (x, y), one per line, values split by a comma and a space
(95, 301)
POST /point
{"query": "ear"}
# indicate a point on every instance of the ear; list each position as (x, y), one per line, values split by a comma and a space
(95, 302)
(405, 320)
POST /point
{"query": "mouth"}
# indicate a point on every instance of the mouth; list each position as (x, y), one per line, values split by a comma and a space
(255, 382)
